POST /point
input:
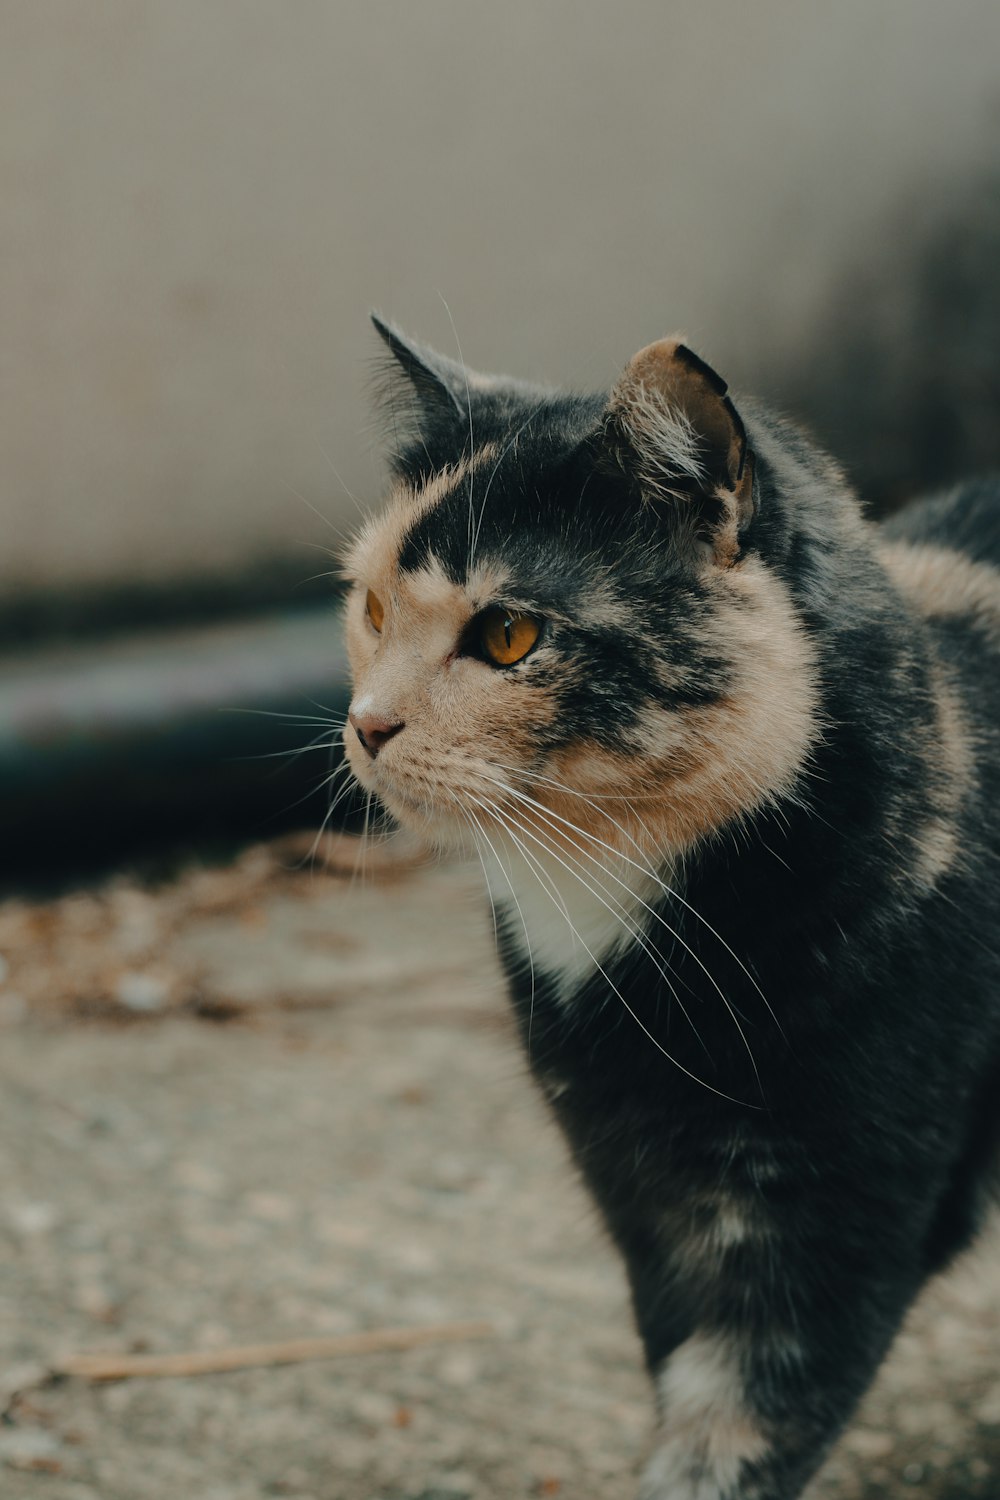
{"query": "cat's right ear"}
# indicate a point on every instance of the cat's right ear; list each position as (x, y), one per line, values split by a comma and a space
(425, 397)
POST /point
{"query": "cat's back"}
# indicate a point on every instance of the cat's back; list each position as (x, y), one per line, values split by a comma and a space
(965, 520)
(943, 554)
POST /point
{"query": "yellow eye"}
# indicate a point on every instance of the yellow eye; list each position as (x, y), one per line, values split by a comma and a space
(374, 610)
(506, 637)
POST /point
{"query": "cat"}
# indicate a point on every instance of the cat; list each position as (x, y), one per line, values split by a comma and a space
(730, 757)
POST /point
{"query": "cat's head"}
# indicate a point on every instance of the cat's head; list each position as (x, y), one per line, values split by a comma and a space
(565, 615)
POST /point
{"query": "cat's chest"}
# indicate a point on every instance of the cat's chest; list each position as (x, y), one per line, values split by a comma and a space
(567, 915)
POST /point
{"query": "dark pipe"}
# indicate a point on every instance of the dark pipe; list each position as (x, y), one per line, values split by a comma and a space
(165, 742)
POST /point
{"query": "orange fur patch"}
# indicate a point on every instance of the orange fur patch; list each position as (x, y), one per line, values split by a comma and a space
(690, 772)
(941, 584)
(951, 762)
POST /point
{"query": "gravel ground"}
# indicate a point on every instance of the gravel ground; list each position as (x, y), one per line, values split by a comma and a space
(270, 1102)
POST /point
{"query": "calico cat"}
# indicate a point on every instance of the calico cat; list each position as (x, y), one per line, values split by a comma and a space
(730, 756)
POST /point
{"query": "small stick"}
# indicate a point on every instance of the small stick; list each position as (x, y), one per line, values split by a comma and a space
(288, 1352)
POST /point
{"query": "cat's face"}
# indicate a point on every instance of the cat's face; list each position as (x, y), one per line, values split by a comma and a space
(540, 641)
(415, 637)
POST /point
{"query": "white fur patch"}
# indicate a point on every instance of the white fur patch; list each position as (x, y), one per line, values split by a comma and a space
(707, 1434)
(733, 1226)
(568, 929)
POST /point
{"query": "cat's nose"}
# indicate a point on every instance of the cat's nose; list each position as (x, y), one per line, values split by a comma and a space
(373, 731)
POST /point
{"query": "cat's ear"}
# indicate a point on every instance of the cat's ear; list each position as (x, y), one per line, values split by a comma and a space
(673, 428)
(438, 382)
(425, 397)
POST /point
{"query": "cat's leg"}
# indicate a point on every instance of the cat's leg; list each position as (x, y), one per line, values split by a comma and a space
(753, 1396)
(719, 1440)
(710, 1432)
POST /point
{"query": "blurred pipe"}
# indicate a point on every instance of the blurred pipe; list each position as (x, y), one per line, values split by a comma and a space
(116, 750)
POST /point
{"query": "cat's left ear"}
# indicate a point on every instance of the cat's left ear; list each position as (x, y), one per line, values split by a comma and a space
(672, 426)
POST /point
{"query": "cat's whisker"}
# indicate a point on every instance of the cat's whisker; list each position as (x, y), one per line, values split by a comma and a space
(468, 398)
(310, 857)
(384, 827)
(318, 786)
(339, 719)
(697, 915)
(362, 511)
(341, 535)
(602, 812)
(479, 853)
(326, 573)
(344, 791)
(309, 720)
(614, 904)
(362, 854)
(319, 743)
(617, 908)
(539, 810)
(549, 887)
(527, 941)
(616, 991)
(331, 552)
(647, 869)
(493, 474)
(588, 797)
(491, 810)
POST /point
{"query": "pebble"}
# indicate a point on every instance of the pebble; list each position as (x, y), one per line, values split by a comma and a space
(26, 1447)
(868, 1444)
(96, 1300)
(213, 1336)
(141, 992)
(460, 1368)
(32, 1217)
(373, 1407)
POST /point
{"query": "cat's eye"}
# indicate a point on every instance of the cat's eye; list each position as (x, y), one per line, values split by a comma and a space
(374, 610)
(506, 637)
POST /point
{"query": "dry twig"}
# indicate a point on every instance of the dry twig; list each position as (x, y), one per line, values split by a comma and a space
(288, 1352)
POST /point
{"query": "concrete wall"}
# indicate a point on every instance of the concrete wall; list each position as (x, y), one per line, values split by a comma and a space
(198, 203)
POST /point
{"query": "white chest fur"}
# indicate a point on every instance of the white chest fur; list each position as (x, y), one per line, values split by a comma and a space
(568, 913)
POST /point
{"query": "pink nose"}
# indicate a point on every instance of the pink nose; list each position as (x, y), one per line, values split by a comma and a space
(373, 731)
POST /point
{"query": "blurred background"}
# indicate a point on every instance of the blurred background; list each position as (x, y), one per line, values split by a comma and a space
(198, 207)
(200, 204)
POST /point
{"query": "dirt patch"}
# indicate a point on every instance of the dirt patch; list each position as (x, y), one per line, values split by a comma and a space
(358, 1147)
